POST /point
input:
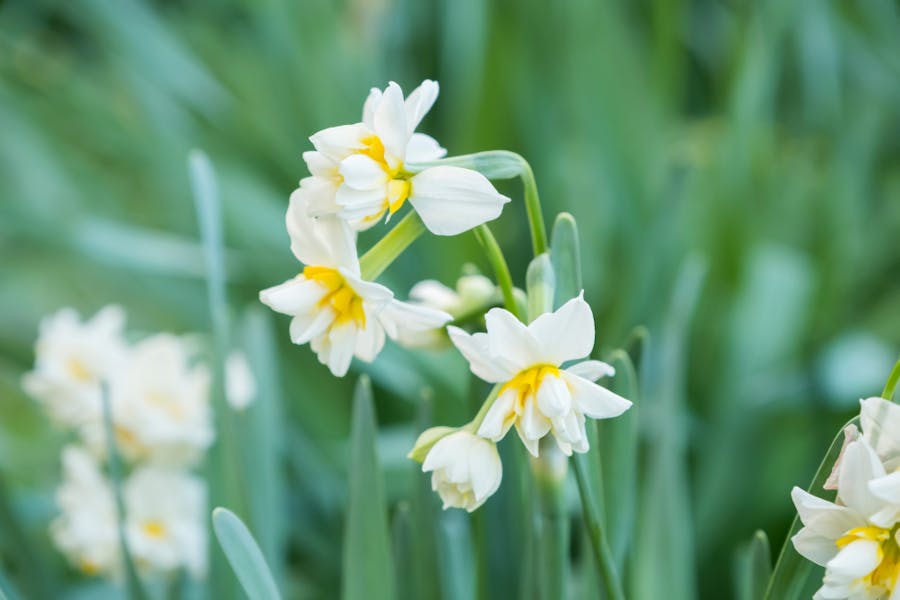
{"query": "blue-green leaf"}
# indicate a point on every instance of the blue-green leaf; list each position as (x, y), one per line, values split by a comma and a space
(244, 556)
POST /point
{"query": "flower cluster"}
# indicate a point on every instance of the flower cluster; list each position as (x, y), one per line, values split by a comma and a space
(857, 537)
(158, 402)
(366, 172)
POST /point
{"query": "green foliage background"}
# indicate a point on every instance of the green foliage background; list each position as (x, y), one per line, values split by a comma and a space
(752, 148)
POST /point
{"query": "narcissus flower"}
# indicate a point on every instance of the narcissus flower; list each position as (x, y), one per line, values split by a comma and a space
(160, 405)
(465, 469)
(362, 172)
(333, 308)
(537, 394)
(472, 293)
(856, 537)
(73, 357)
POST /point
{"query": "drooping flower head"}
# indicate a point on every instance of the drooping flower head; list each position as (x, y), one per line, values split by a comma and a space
(856, 537)
(72, 359)
(537, 394)
(465, 469)
(333, 308)
(361, 172)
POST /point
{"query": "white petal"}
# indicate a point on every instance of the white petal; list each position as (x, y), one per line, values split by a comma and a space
(554, 398)
(310, 325)
(485, 469)
(530, 444)
(363, 208)
(371, 103)
(856, 559)
(369, 341)
(293, 297)
(880, 421)
(319, 194)
(451, 200)
(337, 143)
(824, 519)
(343, 342)
(593, 400)
(402, 318)
(320, 241)
(362, 172)
(511, 343)
(496, 424)
(567, 333)
(814, 547)
(475, 350)
(859, 466)
(592, 370)
(534, 425)
(887, 488)
(390, 123)
(320, 165)
(374, 294)
(435, 294)
(420, 102)
(423, 148)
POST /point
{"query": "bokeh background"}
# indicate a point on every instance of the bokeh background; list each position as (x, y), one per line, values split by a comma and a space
(734, 168)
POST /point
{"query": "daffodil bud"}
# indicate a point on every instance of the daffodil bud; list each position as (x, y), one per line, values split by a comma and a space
(426, 440)
(465, 469)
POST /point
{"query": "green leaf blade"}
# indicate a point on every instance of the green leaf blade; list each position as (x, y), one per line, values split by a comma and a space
(244, 556)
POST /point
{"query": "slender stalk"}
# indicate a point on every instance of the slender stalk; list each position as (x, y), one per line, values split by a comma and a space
(133, 583)
(501, 269)
(387, 249)
(891, 385)
(533, 208)
(599, 545)
(552, 545)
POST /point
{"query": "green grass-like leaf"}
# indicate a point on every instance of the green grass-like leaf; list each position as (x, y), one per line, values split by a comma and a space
(244, 555)
(754, 568)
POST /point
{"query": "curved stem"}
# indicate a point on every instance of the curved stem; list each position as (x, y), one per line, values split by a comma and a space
(533, 209)
(891, 385)
(599, 544)
(501, 269)
(387, 249)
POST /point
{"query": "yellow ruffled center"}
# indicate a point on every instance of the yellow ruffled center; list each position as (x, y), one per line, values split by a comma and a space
(398, 187)
(526, 383)
(154, 529)
(883, 579)
(78, 370)
(339, 296)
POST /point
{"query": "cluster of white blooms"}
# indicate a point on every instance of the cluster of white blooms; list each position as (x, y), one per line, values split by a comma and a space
(158, 398)
(364, 173)
(857, 537)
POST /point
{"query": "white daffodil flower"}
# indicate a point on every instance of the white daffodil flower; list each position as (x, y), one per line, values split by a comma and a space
(86, 531)
(472, 292)
(160, 405)
(333, 308)
(880, 421)
(465, 469)
(359, 171)
(73, 357)
(537, 395)
(166, 511)
(859, 549)
(240, 384)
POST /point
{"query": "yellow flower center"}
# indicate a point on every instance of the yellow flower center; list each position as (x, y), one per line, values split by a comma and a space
(154, 529)
(398, 185)
(526, 383)
(78, 370)
(340, 297)
(89, 567)
(884, 577)
(167, 403)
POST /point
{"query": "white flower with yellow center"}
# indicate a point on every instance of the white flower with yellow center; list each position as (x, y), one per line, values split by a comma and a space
(86, 530)
(537, 394)
(160, 405)
(333, 308)
(361, 172)
(859, 549)
(166, 511)
(472, 293)
(73, 357)
(465, 469)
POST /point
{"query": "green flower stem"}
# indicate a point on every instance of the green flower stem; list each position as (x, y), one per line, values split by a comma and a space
(549, 471)
(475, 423)
(501, 269)
(599, 544)
(502, 164)
(891, 385)
(382, 254)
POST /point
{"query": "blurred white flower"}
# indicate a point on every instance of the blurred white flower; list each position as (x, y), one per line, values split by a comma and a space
(472, 292)
(86, 530)
(72, 358)
(359, 171)
(333, 308)
(852, 538)
(240, 384)
(160, 405)
(465, 469)
(880, 422)
(537, 395)
(166, 520)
